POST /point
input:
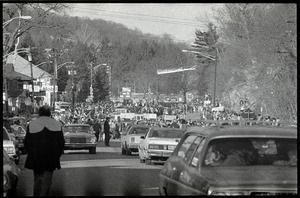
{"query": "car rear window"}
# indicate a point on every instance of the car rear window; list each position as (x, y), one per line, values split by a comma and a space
(76, 129)
(140, 131)
(251, 151)
(166, 134)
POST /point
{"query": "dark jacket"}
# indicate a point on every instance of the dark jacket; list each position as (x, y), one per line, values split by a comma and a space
(97, 127)
(106, 127)
(44, 142)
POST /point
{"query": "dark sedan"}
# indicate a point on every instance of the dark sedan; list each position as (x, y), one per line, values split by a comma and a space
(10, 176)
(233, 160)
(79, 137)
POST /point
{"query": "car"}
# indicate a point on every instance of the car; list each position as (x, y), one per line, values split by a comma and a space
(10, 146)
(20, 133)
(10, 176)
(79, 137)
(158, 144)
(16, 131)
(232, 160)
(131, 138)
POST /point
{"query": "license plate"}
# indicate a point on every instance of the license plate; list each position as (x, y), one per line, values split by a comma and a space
(171, 147)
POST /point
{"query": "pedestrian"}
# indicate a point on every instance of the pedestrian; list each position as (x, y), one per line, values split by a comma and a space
(107, 131)
(97, 129)
(44, 142)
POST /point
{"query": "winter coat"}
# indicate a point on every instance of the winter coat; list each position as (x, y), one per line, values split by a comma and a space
(44, 142)
(106, 127)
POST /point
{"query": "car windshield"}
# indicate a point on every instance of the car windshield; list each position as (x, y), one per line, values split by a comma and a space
(166, 134)
(5, 135)
(76, 129)
(140, 131)
(251, 151)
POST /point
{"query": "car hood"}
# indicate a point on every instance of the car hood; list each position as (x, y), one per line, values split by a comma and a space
(169, 141)
(251, 175)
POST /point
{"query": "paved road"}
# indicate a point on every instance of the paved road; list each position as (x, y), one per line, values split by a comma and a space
(105, 173)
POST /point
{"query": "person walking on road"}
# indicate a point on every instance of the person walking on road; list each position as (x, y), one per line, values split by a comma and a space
(107, 131)
(44, 142)
(97, 129)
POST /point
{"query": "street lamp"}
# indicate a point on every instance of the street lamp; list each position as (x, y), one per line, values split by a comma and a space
(42, 64)
(92, 70)
(72, 72)
(57, 67)
(19, 17)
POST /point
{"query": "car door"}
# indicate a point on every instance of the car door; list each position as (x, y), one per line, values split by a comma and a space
(190, 178)
(175, 163)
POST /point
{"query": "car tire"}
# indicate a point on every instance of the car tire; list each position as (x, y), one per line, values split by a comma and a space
(92, 150)
(128, 152)
(148, 162)
(123, 150)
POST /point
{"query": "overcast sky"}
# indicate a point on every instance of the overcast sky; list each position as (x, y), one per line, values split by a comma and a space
(177, 19)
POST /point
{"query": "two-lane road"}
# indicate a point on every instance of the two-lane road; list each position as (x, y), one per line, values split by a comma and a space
(102, 174)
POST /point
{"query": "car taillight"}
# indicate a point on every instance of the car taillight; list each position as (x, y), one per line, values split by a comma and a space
(67, 140)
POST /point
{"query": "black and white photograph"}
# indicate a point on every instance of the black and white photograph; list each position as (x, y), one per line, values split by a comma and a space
(149, 99)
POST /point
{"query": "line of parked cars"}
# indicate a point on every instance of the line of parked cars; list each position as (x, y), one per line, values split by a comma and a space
(13, 146)
(221, 159)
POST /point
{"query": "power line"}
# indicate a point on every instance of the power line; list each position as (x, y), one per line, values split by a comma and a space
(153, 16)
(144, 19)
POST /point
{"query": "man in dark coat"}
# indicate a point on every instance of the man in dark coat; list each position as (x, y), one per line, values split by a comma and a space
(107, 131)
(44, 142)
(97, 128)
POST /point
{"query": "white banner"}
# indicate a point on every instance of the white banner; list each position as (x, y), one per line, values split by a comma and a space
(174, 70)
(127, 115)
(169, 117)
(126, 89)
(150, 115)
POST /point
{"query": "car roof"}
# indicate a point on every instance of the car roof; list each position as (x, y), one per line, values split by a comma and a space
(140, 126)
(73, 125)
(244, 131)
(166, 129)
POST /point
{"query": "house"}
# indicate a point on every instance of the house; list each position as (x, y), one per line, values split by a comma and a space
(13, 87)
(43, 88)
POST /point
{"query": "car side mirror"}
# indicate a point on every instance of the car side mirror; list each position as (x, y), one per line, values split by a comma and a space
(142, 137)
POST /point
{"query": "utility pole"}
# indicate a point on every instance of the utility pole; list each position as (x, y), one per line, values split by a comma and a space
(72, 72)
(215, 80)
(54, 78)
(91, 88)
(32, 83)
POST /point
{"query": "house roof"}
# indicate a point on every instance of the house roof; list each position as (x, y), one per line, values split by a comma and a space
(23, 66)
(11, 74)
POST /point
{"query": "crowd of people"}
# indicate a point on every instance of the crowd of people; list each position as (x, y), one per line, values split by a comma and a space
(96, 113)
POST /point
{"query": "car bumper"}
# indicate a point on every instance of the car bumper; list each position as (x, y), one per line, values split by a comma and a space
(133, 146)
(158, 153)
(79, 145)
